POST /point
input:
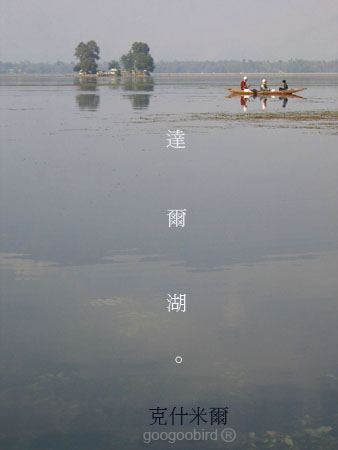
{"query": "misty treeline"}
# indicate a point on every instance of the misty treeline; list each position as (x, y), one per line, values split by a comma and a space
(248, 66)
(29, 67)
(232, 66)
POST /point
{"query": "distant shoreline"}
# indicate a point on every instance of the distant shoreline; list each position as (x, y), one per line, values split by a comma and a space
(180, 74)
(217, 68)
(251, 74)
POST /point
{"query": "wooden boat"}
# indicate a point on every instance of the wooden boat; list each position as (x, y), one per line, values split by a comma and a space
(264, 96)
(264, 93)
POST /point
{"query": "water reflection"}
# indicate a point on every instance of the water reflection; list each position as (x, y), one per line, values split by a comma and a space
(264, 103)
(140, 101)
(139, 98)
(244, 101)
(263, 100)
(86, 84)
(284, 101)
(146, 84)
(88, 102)
(115, 83)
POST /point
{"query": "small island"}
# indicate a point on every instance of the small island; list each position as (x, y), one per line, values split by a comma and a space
(138, 62)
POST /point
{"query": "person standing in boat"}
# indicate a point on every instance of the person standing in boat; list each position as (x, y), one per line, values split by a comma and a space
(284, 87)
(244, 85)
(264, 86)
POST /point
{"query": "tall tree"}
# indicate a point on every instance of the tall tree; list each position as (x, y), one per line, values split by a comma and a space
(114, 65)
(127, 61)
(138, 58)
(87, 54)
(144, 61)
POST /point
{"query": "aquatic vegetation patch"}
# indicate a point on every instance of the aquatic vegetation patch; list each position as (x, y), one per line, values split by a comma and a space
(292, 115)
(314, 120)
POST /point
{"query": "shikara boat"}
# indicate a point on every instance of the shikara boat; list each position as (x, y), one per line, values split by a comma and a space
(265, 96)
(264, 93)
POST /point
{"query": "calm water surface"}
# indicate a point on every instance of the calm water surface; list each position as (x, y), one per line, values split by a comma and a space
(87, 262)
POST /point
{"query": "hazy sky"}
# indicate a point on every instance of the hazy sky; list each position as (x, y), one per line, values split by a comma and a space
(49, 30)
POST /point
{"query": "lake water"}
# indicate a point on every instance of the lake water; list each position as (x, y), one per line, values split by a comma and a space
(88, 261)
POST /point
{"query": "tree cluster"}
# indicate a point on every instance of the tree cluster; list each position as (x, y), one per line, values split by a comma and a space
(87, 54)
(138, 58)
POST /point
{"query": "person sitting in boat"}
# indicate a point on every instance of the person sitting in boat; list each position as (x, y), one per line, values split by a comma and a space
(264, 86)
(244, 86)
(284, 87)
